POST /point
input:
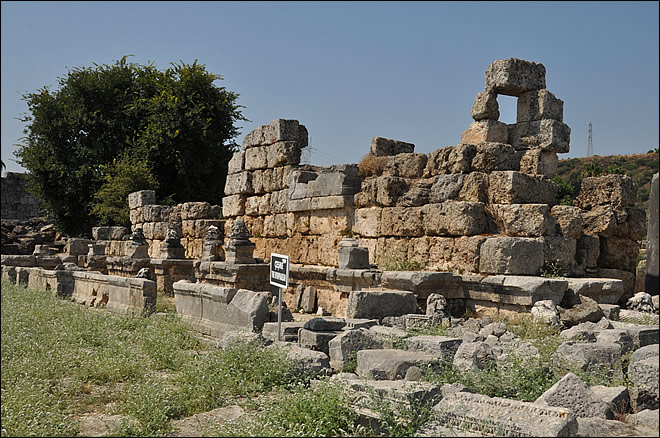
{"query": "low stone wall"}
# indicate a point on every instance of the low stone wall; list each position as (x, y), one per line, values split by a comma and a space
(118, 294)
(214, 310)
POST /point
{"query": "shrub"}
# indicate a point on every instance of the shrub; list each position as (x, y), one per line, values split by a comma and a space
(372, 165)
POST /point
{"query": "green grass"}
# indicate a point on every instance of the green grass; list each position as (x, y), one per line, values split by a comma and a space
(61, 359)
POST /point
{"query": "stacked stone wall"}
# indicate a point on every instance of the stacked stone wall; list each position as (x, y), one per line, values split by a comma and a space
(486, 205)
(17, 203)
(190, 220)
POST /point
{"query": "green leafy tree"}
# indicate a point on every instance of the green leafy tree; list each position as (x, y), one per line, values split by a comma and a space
(565, 191)
(121, 177)
(178, 121)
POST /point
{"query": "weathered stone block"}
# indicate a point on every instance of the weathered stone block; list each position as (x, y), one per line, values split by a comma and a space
(283, 153)
(483, 131)
(233, 205)
(511, 255)
(198, 210)
(486, 106)
(561, 250)
(237, 163)
(441, 346)
(317, 340)
(569, 220)
(256, 158)
(572, 393)
(618, 253)
(652, 277)
(523, 220)
(277, 130)
(389, 190)
(381, 147)
(614, 190)
(388, 364)
(367, 222)
(379, 304)
(511, 187)
(496, 156)
(549, 135)
(446, 187)
(536, 161)
(76, 246)
(141, 198)
(513, 289)
(401, 221)
(451, 159)
(354, 258)
(239, 184)
(454, 218)
(475, 188)
(418, 194)
(538, 105)
(406, 165)
(513, 77)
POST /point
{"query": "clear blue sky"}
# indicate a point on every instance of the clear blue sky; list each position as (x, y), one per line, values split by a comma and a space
(350, 71)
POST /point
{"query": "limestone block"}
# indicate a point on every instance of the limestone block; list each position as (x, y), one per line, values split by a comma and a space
(417, 195)
(483, 131)
(572, 393)
(442, 346)
(536, 161)
(331, 202)
(350, 342)
(451, 159)
(141, 198)
(611, 221)
(515, 290)
(366, 197)
(353, 258)
(317, 340)
(560, 249)
(283, 153)
(328, 221)
(465, 255)
(135, 216)
(406, 165)
(401, 221)
(538, 105)
(156, 213)
(446, 187)
(197, 229)
(548, 135)
(569, 220)
(643, 371)
(511, 255)
(475, 188)
(618, 253)
(523, 220)
(257, 205)
(367, 222)
(486, 106)
(381, 147)
(277, 225)
(256, 158)
(473, 356)
(587, 251)
(233, 205)
(76, 246)
(477, 414)
(278, 201)
(301, 223)
(379, 304)
(389, 189)
(199, 210)
(277, 130)
(390, 364)
(454, 218)
(496, 156)
(237, 163)
(512, 76)
(511, 187)
(588, 356)
(239, 184)
(614, 190)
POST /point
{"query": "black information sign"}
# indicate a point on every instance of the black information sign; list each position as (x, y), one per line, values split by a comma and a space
(279, 270)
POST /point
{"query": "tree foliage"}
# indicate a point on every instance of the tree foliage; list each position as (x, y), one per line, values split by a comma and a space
(177, 122)
(123, 176)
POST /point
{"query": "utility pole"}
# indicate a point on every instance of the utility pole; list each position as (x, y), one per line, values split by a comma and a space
(590, 145)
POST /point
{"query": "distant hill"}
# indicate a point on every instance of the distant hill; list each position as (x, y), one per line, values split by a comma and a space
(640, 167)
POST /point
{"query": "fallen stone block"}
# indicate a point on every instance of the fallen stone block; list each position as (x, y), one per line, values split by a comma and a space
(573, 394)
(289, 331)
(306, 360)
(389, 364)
(379, 304)
(317, 340)
(513, 289)
(463, 412)
(601, 290)
(594, 426)
(643, 372)
(592, 356)
(441, 346)
(616, 397)
(381, 147)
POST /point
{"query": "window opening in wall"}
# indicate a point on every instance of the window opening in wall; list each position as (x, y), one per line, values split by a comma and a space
(508, 108)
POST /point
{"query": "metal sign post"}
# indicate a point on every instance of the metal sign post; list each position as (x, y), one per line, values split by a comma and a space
(279, 276)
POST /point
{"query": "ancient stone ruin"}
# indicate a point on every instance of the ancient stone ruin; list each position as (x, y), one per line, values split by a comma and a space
(402, 240)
